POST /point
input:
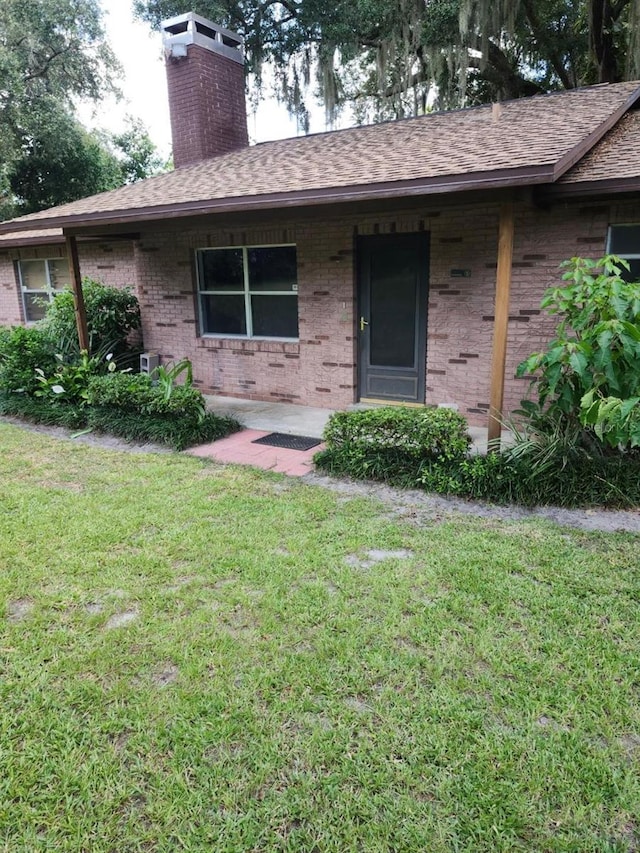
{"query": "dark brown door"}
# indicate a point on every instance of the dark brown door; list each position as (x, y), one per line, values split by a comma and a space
(393, 283)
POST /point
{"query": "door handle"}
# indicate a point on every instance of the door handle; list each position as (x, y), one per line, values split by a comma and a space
(363, 323)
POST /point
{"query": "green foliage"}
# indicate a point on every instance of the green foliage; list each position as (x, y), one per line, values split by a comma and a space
(60, 162)
(428, 448)
(69, 383)
(112, 314)
(383, 57)
(129, 405)
(391, 443)
(616, 422)
(506, 478)
(137, 155)
(51, 52)
(166, 375)
(22, 351)
(43, 410)
(42, 385)
(590, 373)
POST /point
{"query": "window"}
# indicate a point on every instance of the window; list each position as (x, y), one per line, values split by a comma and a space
(39, 281)
(250, 292)
(624, 241)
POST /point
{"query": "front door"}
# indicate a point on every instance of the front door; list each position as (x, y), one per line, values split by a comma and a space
(393, 278)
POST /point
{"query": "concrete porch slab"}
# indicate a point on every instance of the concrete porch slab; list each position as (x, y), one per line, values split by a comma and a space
(301, 420)
(272, 417)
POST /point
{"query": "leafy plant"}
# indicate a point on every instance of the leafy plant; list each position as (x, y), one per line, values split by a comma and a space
(506, 479)
(131, 406)
(166, 376)
(589, 376)
(69, 383)
(22, 351)
(112, 315)
(392, 442)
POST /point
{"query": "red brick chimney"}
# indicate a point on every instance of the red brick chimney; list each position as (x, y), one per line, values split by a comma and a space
(205, 76)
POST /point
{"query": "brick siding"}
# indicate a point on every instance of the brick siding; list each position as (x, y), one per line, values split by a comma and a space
(207, 105)
(320, 368)
(110, 263)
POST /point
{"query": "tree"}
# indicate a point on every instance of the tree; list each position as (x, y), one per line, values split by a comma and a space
(387, 57)
(52, 52)
(137, 155)
(59, 161)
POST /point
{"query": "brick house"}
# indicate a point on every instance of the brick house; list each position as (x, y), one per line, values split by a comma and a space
(403, 261)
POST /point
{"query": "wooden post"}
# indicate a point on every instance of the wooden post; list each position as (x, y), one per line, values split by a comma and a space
(501, 319)
(78, 296)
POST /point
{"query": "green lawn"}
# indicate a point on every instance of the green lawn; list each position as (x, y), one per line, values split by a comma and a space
(199, 658)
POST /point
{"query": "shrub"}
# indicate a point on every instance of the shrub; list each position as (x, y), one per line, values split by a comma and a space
(590, 373)
(112, 314)
(391, 443)
(22, 352)
(503, 478)
(43, 410)
(129, 405)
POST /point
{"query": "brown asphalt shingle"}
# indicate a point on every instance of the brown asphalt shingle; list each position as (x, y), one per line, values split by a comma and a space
(543, 134)
(616, 156)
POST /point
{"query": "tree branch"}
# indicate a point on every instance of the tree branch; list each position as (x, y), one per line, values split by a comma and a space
(539, 32)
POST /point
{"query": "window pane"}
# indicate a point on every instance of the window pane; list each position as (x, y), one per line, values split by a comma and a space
(34, 275)
(35, 306)
(625, 240)
(275, 316)
(223, 315)
(273, 268)
(634, 275)
(59, 273)
(394, 288)
(221, 269)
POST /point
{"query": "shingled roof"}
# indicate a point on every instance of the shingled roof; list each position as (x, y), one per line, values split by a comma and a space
(523, 142)
(615, 158)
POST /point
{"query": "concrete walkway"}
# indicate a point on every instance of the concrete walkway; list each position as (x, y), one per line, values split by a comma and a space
(297, 420)
(272, 417)
(260, 418)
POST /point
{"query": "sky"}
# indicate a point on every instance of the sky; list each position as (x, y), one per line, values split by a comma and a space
(144, 86)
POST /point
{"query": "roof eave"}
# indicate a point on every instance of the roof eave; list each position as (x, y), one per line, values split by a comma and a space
(500, 179)
(589, 189)
(20, 242)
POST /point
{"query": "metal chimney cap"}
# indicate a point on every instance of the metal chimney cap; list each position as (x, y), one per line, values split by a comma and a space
(190, 28)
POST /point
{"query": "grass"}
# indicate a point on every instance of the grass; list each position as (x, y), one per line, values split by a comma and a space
(198, 658)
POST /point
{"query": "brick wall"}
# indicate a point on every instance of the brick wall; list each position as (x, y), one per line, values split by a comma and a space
(111, 263)
(207, 105)
(320, 369)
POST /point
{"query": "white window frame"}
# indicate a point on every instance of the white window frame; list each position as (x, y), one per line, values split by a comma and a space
(50, 291)
(246, 291)
(628, 256)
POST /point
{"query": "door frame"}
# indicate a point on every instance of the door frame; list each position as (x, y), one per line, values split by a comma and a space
(421, 240)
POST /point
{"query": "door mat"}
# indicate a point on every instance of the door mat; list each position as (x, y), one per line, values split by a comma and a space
(290, 442)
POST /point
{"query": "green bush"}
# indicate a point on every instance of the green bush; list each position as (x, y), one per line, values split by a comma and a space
(43, 410)
(391, 443)
(129, 405)
(22, 352)
(505, 479)
(589, 375)
(112, 314)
